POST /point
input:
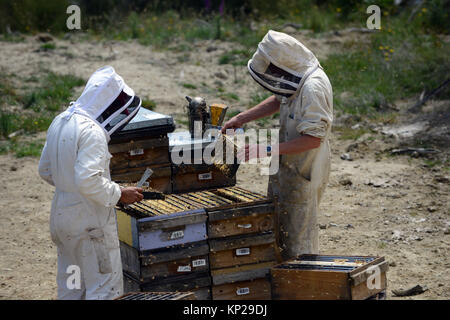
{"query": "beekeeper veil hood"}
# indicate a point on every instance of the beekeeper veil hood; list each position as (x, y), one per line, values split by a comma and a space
(281, 63)
(107, 100)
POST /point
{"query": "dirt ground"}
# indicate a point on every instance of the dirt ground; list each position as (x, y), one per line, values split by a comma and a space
(376, 204)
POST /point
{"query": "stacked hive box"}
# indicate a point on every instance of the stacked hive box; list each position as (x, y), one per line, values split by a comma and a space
(242, 246)
(326, 277)
(194, 173)
(164, 244)
(146, 142)
(140, 144)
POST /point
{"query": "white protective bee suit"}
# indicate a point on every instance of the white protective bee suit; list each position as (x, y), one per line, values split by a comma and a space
(287, 68)
(75, 159)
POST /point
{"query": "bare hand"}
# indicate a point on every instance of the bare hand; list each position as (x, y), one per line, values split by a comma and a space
(233, 123)
(131, 195)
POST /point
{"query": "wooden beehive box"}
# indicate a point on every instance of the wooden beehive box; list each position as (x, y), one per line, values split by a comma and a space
(326, 277)
(255, 215)
(139, 153)
(241, 250)
(247, 282)
(191, 258)
(199, 284)
(160, 231)
(157, 296)
(143, 143)
(193, 177)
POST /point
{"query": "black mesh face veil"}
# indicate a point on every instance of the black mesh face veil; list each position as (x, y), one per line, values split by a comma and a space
(119, 113)
(272, 85)
(276, 72)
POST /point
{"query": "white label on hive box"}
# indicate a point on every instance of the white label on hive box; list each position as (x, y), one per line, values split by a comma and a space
(205, 176)
(199, 263)
(242, 251)
(245, 226)
(184, 268)
(242, 291)
(177, 235)
(136, 152)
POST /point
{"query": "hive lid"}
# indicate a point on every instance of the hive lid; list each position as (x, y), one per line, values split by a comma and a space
(146, 123)
(327, 262)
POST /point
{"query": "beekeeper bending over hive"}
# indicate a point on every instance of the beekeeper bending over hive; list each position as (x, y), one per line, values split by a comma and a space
(303, 95)
(75, 159)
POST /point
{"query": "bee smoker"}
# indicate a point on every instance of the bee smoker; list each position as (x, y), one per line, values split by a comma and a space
(197, 111)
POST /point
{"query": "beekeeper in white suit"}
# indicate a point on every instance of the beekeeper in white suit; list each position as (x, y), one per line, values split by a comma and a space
(75, 159)
(304, 98)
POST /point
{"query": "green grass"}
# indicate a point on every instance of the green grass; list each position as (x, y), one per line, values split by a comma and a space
(22, 149)
(53, 94)
(230, 96)
(258, 97)
(48, 46)
(50, 96)
(148, 104)
(189, 86)
(347, 133)
(397, 64)
(236, 57)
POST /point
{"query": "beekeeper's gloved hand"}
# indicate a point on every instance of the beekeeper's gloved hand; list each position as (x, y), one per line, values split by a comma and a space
(131, 195)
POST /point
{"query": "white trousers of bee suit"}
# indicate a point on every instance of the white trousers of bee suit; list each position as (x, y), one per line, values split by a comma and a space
(83, 223)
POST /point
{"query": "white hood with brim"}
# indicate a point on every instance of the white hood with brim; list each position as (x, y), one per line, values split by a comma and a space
(281, 63)
(100, 101)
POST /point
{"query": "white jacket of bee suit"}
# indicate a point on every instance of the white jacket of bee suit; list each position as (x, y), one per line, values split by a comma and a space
(284, 66)
(75, 160)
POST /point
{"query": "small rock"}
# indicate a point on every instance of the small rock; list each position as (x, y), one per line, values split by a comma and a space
(13, 168)
(447, 231)
(418, 289)
(346, 182)
(211, 49)
(352, 147)
(346, 156)
(289, 30)
(392, 264)
(443, 179)
(44, 37)
(221, 75)
(396, 235)
(322, 226)
(349, 226)
(431, 209)
(332, 225)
